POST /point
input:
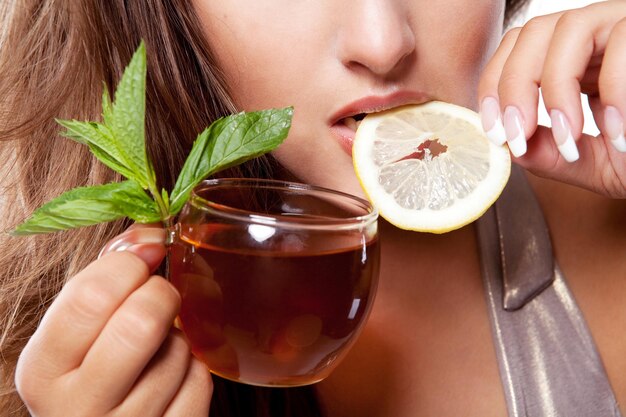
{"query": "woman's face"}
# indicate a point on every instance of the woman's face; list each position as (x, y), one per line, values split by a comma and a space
(332, 59)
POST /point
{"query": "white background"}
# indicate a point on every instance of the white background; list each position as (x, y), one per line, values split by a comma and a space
(539, 7)
(549, 6)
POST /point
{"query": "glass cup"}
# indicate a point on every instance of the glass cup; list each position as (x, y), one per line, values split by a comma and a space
(276, 278)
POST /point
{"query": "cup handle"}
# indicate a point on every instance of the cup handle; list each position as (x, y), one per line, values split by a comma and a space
(139, 235)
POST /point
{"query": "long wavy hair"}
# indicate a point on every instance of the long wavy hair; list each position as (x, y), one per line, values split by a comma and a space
(54, 55)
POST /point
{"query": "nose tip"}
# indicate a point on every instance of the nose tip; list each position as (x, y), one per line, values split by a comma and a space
(378, 38)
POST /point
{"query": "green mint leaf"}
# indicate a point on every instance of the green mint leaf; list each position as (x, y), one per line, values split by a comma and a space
(101, 143)
(227, 142)
(86, 206)
(126, 117)
(133, 201)
(119, 143)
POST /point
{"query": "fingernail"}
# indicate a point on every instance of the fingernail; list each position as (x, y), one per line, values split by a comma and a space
(152, 254)
(491, 120)
(514, 131)
(614, 125)
(135, 236)
(563, 136)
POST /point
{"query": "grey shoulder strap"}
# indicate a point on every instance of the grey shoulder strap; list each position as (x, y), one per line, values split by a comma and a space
(549, 364)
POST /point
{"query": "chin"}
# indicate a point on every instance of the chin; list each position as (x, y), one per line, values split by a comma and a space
(340, 176)
(347, 183)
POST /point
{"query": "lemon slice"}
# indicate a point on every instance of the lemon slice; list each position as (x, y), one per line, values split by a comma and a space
(429, 167)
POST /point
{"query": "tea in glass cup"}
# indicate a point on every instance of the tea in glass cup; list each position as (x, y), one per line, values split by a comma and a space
(276, 278)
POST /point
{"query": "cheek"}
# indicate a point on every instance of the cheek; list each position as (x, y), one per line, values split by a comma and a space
(481, 31)
(259, 50)
(273, 69)
(458, 54)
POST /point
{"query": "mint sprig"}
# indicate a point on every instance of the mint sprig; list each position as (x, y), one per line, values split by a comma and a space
(119, 143)
(229, 142)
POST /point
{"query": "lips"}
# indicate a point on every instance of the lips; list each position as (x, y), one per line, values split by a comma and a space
(346, 120)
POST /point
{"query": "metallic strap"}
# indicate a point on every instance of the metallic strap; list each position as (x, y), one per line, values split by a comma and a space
(549, 364)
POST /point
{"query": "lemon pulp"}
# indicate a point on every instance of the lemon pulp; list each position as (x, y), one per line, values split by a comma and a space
(429, 167)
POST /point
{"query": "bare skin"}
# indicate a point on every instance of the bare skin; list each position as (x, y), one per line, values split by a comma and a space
(427, 349)
(106, 346)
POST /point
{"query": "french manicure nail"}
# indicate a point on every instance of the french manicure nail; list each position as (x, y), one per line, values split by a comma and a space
(514, 131)
(614, 125)
(491, 121)
(563, 136)
(135, 236)
(152, 254)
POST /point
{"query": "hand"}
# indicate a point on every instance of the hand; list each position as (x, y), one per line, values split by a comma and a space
(106, 347)
(566, 53)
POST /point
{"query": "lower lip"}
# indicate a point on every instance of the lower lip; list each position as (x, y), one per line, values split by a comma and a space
(344, 135)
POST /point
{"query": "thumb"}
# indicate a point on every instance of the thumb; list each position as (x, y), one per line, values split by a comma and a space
(147, 242)
(589, 171)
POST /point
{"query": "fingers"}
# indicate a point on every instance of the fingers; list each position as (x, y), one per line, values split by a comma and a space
(514, 76)
(146, 241)
(544, 159)
(174, 384)
(160, 381)
(88, 300)
(568, 59)
(519, 84)
(80, 312)
(100, 332)
(491, 117)
(612, 86)
(127, 343)
(193, 399)
(593, 171)
(561, 54)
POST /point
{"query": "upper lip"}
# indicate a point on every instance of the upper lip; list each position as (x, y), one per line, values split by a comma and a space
(371, 104)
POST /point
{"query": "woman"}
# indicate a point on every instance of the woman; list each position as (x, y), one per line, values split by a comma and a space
(427, 348)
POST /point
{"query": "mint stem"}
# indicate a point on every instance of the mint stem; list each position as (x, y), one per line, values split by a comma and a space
(166, 218)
